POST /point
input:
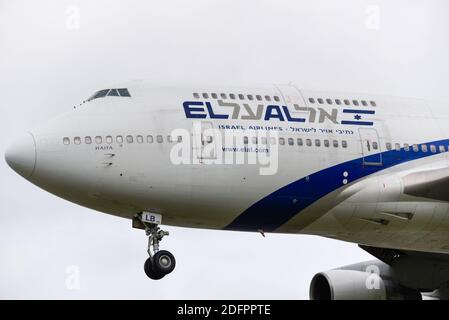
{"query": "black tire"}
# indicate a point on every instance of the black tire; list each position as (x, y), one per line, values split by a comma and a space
(151, 272)
(164, 262)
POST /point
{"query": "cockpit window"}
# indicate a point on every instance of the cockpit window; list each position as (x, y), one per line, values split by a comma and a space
(122, 92)
(100, 94)
(113, 93)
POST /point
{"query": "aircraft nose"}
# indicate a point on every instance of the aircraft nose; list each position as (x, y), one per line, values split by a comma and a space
(21, 155)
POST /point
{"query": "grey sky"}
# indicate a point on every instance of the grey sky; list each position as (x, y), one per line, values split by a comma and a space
(47, 65)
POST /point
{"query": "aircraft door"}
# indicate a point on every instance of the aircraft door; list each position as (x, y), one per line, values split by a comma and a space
(371, 148)
(204, 146)
(291, 95)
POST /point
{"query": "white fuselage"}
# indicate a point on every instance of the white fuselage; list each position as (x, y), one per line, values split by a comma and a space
(344, 183)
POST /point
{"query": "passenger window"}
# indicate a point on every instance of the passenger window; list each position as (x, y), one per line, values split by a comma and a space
(250, 97)
(317, 142)
(397, 146)
(77, 140)
(241, 96)
(263, 140)
(309, 142)
(355, 102)
(139, 139)
(335, 143)
(329, 101)
(344, 144)
(268, 98)
(424, 148)
(119, 139)
(196, 95)
(108, 139)
(169, 139)
(254, 140)
(159, 139)
(272, 141)
(338, 101)
(375, 145)
(98, 140)
(179, 138)
(373, 104)
(259, 97)
(113, 93)
(433, 149)
(291, 141)
(415, 148)
(245, 140)
(205, 96)
(88, 140)
(311, 100)
(129, 139)
(150, 139)
(347, 102)
(276, 98)
(232, 96)
(66, 141)
(223, 95)
(300, 142)
(388, 145)
(364, 103)
(214, 96)
(326, 143)
(406, 147)
(320, 101)
(442, 149)
(281, 141)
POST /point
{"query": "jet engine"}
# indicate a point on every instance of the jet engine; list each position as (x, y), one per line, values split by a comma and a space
(364, 281)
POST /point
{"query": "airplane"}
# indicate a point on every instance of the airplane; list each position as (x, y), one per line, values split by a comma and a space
(361, 168)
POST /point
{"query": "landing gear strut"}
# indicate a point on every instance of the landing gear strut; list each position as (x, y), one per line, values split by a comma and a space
(160, 262)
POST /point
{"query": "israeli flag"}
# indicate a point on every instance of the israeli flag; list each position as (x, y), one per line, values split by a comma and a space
(358, 117)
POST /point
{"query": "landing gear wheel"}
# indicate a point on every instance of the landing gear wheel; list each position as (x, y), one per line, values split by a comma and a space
(161, 262)
(164, 262)
(152, 272)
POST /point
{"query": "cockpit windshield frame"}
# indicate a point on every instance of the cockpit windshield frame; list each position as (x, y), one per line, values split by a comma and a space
(121, 92)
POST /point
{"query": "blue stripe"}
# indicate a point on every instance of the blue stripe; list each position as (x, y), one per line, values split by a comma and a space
(357, 123)
(359, 111)
(276, 209)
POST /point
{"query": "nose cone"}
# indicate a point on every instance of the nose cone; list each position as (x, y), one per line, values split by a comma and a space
(21, 155)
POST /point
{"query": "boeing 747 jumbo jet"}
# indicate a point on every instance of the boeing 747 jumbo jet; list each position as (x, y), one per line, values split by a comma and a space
(366, 169)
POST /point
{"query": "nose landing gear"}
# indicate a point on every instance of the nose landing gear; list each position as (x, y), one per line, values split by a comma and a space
(160, 262)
